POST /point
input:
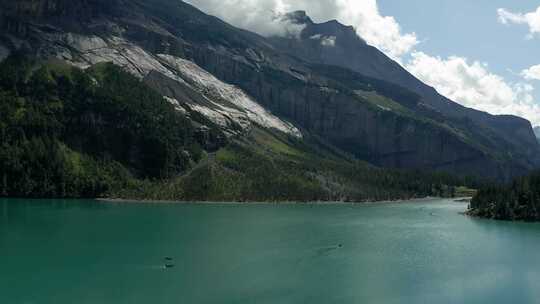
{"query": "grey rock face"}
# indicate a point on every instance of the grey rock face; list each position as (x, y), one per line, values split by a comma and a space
(382, 137)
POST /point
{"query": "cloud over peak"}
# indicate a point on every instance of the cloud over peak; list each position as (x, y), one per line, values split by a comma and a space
(262, 17)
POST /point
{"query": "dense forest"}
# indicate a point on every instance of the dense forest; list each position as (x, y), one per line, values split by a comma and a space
(101, 132)
(71, 133)
(518, 201)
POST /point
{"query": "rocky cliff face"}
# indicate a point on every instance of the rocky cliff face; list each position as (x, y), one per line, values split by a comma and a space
(237, 79)
(336, 44)
(369, 131)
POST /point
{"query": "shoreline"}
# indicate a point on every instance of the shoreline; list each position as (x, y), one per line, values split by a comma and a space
(173, 202)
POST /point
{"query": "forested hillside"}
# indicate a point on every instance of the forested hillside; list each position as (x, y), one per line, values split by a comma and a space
(68, 132)
(103, 133)
(519, 200)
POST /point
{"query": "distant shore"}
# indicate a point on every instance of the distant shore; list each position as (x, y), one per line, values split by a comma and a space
(172, 202)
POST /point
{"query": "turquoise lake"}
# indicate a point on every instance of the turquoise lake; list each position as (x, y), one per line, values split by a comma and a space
(77, 251)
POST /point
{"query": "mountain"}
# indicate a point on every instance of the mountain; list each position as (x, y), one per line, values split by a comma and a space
(537, 132)
(68, 132)
(302, 122)
(332, 43)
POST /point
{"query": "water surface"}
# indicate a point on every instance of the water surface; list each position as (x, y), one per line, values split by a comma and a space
(77, 251)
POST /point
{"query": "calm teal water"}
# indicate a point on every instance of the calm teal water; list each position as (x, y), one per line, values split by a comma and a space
(423, 252)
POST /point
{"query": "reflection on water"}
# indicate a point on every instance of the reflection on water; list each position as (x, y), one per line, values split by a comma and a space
(4, 211)
(423, 252)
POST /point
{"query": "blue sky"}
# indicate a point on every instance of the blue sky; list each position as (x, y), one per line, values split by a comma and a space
(470, 29)
(463, 48)
(473, 31)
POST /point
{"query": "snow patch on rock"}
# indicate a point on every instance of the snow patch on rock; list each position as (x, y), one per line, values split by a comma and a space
(329, 41)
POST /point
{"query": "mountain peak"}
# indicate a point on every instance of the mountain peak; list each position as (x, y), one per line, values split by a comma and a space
(298, 17)
(334, 29)
(337, 27)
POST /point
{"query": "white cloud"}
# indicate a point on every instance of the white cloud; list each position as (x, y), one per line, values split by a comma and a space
(532, 73)
(472, 85)
(380, 31)
(532, 19)
(261, 16)
(383, 32)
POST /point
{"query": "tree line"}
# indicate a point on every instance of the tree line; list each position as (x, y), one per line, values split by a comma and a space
(519, 200)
